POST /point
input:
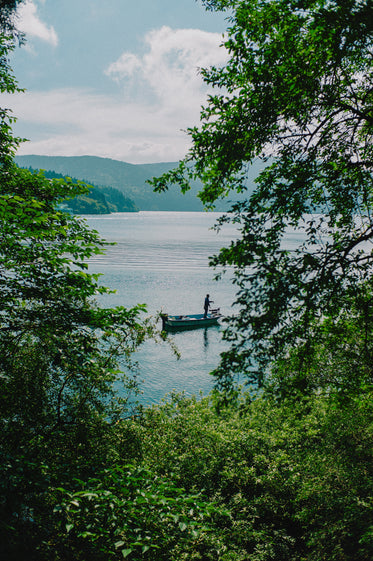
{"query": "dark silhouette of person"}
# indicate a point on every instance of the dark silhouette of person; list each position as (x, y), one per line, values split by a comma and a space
(207, 305)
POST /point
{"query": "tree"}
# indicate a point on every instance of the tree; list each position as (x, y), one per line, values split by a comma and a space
(7, 18)
(8, 38)
(296, 94)
(58, 349)
(49, 320)
(61, 355)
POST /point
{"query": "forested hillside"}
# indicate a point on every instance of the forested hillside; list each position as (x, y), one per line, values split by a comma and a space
(98, 200)
(129, 178)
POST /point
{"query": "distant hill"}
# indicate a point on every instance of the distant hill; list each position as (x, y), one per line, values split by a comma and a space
(128, 178)
(99, 200)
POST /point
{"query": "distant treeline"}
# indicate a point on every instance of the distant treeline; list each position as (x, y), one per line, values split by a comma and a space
(99, 200)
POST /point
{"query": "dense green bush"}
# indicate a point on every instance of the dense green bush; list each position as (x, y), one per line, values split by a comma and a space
(129, 512)
(287, 476)
(296, 477)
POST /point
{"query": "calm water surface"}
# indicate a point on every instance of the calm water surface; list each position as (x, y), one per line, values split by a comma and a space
(161, 259)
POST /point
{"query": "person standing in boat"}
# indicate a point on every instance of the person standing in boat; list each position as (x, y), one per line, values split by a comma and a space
(207, 304)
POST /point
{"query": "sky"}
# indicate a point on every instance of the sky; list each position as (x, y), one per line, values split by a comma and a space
(117, 79)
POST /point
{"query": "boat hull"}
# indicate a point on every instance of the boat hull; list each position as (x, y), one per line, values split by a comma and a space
(181, 323)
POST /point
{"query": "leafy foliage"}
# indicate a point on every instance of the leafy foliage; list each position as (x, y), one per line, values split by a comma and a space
(295, 93)
(62, 358)
(295, 478)
(7, 17)
(130, 512)
(285, 476)
(48, 316)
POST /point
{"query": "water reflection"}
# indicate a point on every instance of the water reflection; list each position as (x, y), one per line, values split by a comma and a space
(162, 259)
(205, 340)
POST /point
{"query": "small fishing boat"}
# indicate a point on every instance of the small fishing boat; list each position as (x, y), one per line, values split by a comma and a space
(182, 322)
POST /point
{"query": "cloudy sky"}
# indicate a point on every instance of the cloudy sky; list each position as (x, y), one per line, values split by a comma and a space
(116, 79)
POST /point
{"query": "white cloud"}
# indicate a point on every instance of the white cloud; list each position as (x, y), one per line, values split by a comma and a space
(140, 124)
(32, 26)
(71, 122)
(168, 72)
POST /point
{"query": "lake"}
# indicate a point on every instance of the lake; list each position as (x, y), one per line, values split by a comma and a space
(161, 259)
